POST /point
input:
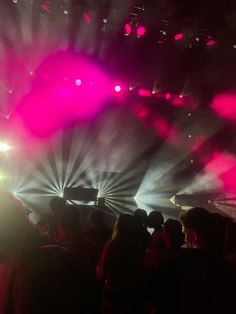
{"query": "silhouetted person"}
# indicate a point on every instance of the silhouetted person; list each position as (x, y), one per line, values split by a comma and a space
(141, 218)
(84, 252)
(196, 280)
(47, 228)
(99, 232)
(172, 235)
(121, 268)
(172, 238)
(156, 221)
(204, 230)
(33, 278)
(57, 205)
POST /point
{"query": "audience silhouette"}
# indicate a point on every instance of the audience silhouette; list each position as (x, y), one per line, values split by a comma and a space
(54, 268)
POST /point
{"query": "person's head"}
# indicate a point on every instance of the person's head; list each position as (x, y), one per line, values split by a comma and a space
(69, 220)
(57, 205)
(16, 232)
(46, 225)
(125, 227)
(155, 220)
(173, 236)
(141, 216)
(198, 228)
(97, 218)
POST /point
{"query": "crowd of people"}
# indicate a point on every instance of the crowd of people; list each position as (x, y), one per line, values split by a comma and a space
(183, 266)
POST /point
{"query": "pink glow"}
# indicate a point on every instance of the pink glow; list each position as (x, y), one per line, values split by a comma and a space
(55, 102)
(118, 88)
(223, 166)
(87, 18)
(128, 29)
(225, 106)
(162, 127)
(179, 36)
(211, 42)
(46, 6)
(141, 111)
(145, 93)
(167, 96)
(141, 30)
(78, 82)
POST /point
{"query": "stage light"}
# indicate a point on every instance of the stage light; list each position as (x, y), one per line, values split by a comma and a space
(234, 46)
(141, 30)
(128, 29)
(167, 96)
(145, 93)
(117, 88)
(66, 12)
(87, 18)
(211, 42)
(78, 82)
(15, 1)
(4, 147)
(179, 36)
(2, 177)
(105, 21)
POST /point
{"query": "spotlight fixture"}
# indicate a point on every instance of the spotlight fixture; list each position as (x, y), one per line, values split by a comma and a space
(128, 29)
(117, 88)
(141, 30)
(179, 36)
(78, 82)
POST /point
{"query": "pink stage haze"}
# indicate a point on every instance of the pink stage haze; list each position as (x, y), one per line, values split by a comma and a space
(58, 97)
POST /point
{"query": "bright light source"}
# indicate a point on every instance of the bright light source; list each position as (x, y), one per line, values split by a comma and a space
(211, 42)
(167, 96)
(66, 12)
(78, 82)
(141, 30)
(145, 93)
(117, 88)
(128, 29)
(179, 36)
(87, 18)
(4, 147)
